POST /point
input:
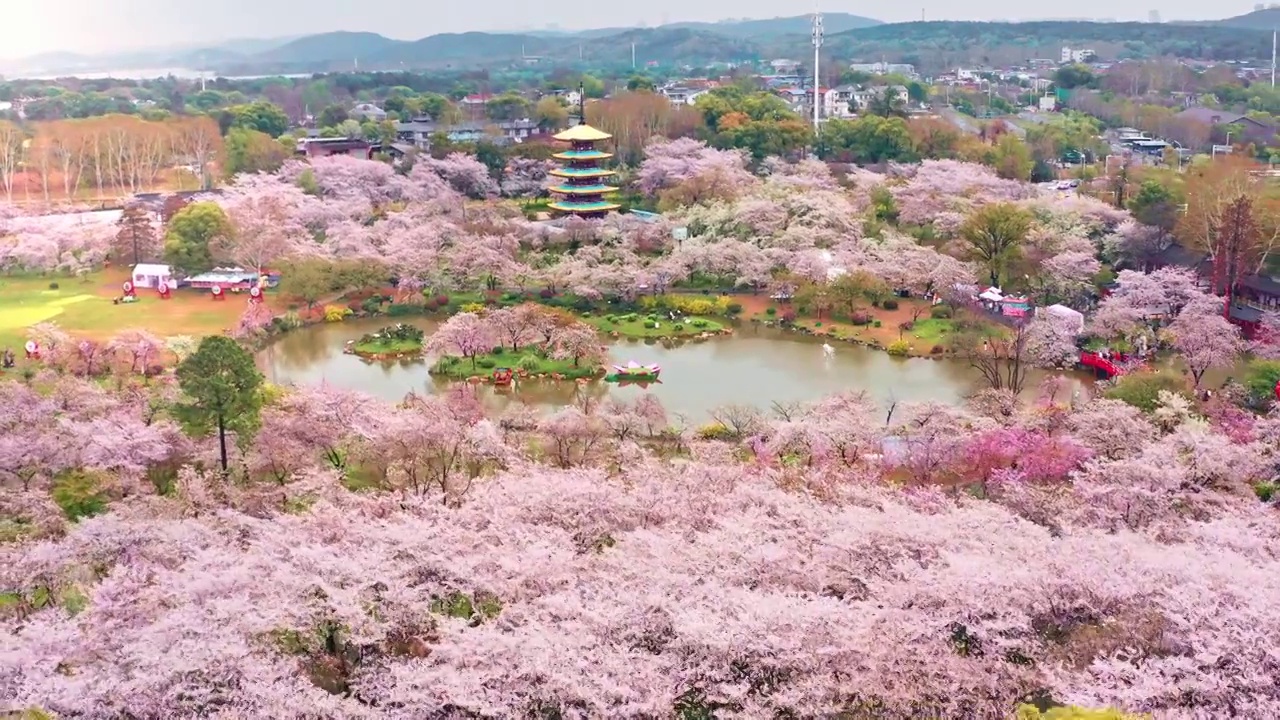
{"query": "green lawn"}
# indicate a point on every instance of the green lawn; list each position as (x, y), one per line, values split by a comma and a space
(934, 330)
(633, 325)
(83, 307)
(388, 347)
(530, 359)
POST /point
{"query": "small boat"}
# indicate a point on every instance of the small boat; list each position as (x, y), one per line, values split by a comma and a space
(633, 372)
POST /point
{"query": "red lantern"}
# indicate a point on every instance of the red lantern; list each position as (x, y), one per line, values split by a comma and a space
(164, 291)
(255, 294)
(33, 350)
(128, 288)
(217, 292)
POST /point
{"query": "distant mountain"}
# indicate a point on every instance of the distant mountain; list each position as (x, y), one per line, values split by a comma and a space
(329, 47)
(947, 44)
(460, 48)
(1265, 19)
(765, 28)
(774, 27)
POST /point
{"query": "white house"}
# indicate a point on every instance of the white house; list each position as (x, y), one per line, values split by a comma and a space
(681, 95)
(840, 102)
(885, 68)
(1077, 55)
(151, 275)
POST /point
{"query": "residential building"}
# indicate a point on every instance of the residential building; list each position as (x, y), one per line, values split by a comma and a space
(1077, 55)
(840, 102)
(1241, 127)
(682, 94)
(885, 68)
(418, 132)
(325, 147)
(369, 111)
(783, 66)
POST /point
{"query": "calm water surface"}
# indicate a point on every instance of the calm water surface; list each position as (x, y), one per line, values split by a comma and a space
(756, 365)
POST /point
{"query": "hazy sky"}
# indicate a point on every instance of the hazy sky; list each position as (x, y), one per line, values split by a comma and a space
(90, 26)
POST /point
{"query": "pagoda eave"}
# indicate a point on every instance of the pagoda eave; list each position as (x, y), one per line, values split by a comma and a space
(572, 156)
(570, 174)
(584, 208)
(571, 190)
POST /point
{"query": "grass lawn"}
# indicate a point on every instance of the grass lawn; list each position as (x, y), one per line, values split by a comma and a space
(633, 325)
(388, 347)
(530, 359)
(82, 307)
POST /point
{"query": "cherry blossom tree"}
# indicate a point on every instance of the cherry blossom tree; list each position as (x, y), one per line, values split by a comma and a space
(669, 163)
(578, 342)
(1205, 340)
(464, 334)
(139, 348)
(515, 325)
(463, 173)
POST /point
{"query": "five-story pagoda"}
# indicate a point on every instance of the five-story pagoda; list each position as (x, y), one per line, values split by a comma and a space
(580, 184)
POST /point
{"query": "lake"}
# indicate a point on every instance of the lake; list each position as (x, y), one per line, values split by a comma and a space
(756, 365)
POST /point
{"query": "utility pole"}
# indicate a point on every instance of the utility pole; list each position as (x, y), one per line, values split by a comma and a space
(1273, 58)
(633, 57)
(817, 45)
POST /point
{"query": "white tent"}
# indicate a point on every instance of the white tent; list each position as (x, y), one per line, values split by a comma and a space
(1075, 318)
(151, 275)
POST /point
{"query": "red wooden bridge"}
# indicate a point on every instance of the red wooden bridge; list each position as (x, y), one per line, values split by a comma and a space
(1106, 366)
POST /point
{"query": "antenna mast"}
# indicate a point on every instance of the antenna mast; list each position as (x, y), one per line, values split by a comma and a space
(817, 45)
(1273, 58)
(582, 102)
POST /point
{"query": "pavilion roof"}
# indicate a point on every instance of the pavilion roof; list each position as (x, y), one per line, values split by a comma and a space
(582, 133)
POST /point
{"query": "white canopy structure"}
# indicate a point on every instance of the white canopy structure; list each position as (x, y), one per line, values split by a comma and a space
(152, 275)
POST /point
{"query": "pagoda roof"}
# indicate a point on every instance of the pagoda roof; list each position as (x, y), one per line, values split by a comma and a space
(582, 189)
(573, 172)
(582, 133)
(582, 155)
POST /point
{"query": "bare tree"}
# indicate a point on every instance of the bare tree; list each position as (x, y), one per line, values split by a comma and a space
(998, 353)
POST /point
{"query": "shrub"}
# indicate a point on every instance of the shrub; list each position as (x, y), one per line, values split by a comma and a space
(1260, 378)
(698, 323)
(941, 312)
(771, 311)
(788, 316)
(545, 293)
(79, 495)
(288, 321)
(679, 327)
(498, 350)
(402, 309)
(53, 286)
(472, 307)
(860, 318)
(875, 323)
(899, 348)
(907, 326)
(937, 350)
(586, 314)
(1142, 390)
(650, 325)
(510, 297)
(442, 300)
(486, 363)
(430, 305)
(818, 324)
(490, 300)
(734, 308)
(889, 304)
(356, 306)
(1265, 491)
(529, 363)
(336, 313)
(372, 305)
(715, 431)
